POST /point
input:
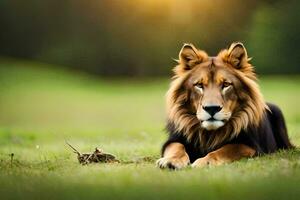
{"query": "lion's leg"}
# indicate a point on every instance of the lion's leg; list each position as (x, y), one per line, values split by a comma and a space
(174, 157)
(226, 154)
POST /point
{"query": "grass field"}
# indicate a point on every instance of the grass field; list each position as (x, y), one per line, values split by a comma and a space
(41, 108)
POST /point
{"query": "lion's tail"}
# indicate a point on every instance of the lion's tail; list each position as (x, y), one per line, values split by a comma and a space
(279, 128)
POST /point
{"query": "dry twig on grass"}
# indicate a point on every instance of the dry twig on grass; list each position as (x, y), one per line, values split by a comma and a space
(98, 156)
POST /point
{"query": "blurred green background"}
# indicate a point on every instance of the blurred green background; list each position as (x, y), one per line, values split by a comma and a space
(95, 73)
(139, 37)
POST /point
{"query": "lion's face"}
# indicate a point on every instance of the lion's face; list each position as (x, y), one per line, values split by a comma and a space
(215, 94)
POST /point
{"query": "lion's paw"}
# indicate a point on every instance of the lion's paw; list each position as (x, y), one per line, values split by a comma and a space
(205, 161)
(173, 163)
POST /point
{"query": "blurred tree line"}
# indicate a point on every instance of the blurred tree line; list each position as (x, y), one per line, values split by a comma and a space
(139, 37)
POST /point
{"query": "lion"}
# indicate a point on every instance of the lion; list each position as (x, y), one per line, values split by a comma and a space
(216, 113)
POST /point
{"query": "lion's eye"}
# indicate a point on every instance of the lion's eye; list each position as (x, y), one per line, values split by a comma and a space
(226, 84)
(199, 86)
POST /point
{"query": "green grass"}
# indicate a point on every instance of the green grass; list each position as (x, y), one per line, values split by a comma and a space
(41, 107)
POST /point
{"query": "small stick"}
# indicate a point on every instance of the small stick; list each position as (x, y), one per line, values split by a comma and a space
(74, 150)
(11, 159)
(86, 161)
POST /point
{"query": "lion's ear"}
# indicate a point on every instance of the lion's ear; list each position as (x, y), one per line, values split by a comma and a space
(189, 56)
(237, 55)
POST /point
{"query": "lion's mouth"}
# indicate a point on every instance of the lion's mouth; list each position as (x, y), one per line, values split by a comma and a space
(213, 120)
(212, 123)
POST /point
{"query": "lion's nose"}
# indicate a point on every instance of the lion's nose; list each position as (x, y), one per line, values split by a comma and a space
(212, 109)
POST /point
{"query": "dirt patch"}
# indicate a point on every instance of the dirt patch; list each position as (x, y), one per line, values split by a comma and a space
(98, 156)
